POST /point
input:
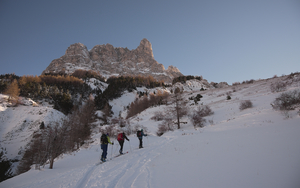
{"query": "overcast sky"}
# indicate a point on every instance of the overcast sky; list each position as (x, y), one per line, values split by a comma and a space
(222, 40)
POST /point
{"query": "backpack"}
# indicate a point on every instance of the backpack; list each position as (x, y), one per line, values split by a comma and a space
(104, 139)
(139, 133)
(120, 136)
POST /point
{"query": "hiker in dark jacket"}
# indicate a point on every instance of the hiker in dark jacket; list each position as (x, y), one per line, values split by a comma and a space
(121, 139)
(104, 142)
(140, 135)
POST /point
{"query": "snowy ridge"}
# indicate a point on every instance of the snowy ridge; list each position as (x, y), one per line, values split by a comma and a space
(255, 147)
(193, 85)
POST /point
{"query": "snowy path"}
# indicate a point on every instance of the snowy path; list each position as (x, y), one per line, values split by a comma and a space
(240, 156)
(129, 170)
(86, 177)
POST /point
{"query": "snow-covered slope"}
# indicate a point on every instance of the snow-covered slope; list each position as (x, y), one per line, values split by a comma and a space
(256, 147)
(19, 123)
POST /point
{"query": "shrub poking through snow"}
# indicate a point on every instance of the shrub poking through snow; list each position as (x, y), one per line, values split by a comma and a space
(158, 116)
(246, 104)
(197, 117)
(166, 125)
(204, 110)
(287, 101)
(197, 120)
(278, 86)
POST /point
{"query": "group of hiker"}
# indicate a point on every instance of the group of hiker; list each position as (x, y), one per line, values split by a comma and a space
(105, 140)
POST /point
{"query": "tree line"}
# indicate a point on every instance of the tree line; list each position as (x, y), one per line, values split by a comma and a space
(117, 85)
(183, 79)
(146, 101)
(66, 91)
(62, 91)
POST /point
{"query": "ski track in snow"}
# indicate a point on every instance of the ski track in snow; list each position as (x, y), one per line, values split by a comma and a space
(123, 172)
(84, 180)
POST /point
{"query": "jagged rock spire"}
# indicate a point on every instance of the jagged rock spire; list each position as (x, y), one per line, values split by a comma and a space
(145, 47)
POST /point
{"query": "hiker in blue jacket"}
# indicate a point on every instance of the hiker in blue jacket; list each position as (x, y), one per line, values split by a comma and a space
(104, 142)
(140, 134)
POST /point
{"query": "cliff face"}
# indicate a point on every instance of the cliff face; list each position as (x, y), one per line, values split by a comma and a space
(108, 61)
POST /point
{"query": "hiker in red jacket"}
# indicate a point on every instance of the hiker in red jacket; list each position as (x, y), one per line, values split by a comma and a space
(121, 137)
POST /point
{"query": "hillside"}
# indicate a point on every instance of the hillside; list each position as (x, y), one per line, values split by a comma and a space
(255, 147)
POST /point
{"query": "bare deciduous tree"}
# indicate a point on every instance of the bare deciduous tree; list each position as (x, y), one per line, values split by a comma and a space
(106, 112)
(46, 145)
(80, 123)
(179, 108)
(55, 137)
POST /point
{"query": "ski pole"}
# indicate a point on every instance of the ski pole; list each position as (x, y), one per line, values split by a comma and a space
(130, 146)
(147, 141)
(112, 148)
(116, 148)
(100, 153)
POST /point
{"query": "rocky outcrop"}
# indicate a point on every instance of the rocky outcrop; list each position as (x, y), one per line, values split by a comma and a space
(108, 61)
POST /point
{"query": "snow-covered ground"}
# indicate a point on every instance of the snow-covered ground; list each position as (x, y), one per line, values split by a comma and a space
(256, 147)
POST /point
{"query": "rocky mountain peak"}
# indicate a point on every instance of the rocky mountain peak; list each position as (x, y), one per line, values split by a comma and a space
(171, 68)
(76, 49)
(145, 47)
(108, 61)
